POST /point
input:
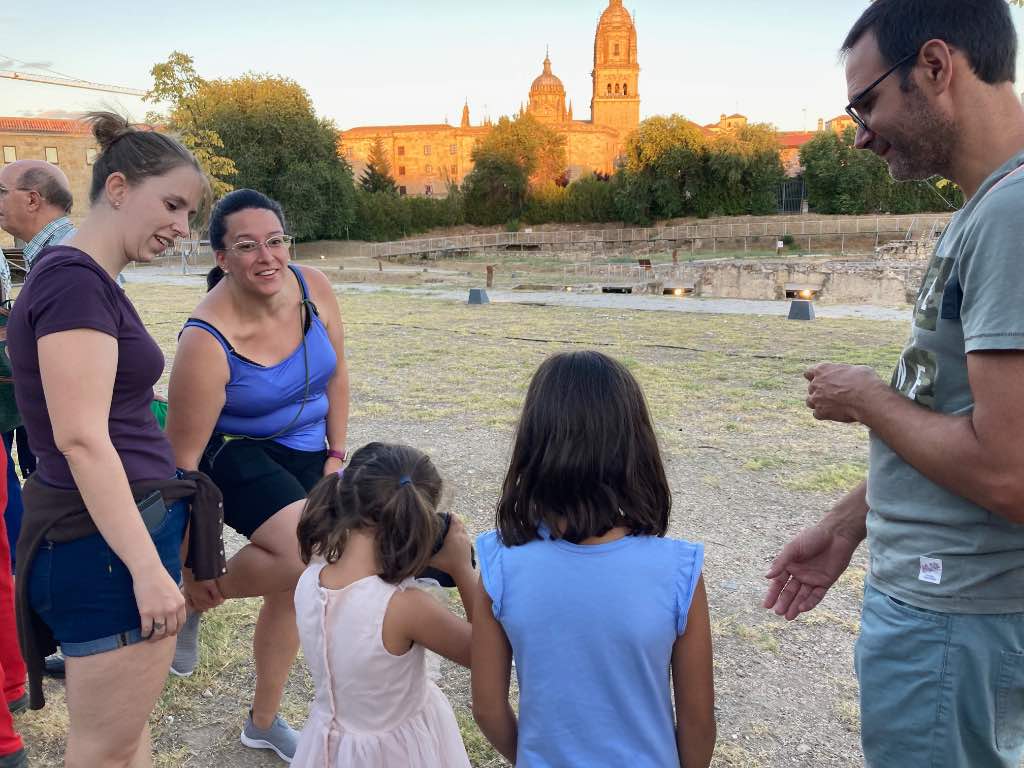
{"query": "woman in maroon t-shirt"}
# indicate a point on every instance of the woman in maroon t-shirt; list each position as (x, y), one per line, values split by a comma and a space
(84, 369)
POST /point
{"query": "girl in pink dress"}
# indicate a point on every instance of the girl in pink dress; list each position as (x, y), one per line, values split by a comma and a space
(364, 534)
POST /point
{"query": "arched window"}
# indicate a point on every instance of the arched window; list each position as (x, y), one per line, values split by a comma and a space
(625, 89)
(609, 89)
(616, 88)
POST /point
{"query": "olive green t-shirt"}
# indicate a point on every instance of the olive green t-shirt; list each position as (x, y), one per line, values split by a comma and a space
(928, 546)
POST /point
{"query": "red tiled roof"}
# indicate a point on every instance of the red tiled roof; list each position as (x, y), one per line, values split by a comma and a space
(795, 139)
(44, 125)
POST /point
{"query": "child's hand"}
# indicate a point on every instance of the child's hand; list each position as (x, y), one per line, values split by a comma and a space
(457, 551)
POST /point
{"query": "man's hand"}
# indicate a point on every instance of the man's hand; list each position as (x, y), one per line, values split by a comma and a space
(839, 392)
(806, 568)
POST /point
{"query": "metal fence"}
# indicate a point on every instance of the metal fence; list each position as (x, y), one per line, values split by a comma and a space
(889, 227)
(187, 256)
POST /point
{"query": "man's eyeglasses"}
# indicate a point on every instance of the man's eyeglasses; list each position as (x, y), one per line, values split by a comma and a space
(851, 108)
(4, 191)
(273, 244)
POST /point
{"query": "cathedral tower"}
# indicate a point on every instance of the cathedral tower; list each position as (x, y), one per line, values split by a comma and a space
(616, 100)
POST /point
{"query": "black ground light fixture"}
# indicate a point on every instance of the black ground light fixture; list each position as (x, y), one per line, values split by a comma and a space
(801, 309)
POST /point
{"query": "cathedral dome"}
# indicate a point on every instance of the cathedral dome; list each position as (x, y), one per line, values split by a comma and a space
(547, 82)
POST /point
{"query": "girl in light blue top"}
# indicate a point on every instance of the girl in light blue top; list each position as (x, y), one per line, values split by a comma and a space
(579, 585)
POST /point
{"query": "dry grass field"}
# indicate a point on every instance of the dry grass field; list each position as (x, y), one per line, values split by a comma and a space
(747, 463)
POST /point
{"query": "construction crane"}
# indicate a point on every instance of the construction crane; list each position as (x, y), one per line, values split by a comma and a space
(69, 83)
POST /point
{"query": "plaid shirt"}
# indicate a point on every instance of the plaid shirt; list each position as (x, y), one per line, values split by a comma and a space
(54, 233)
(5, 278)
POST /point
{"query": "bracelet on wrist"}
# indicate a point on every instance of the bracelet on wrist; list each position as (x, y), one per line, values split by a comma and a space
(339, 455)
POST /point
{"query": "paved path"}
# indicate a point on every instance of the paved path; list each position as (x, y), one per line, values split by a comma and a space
(575, 299)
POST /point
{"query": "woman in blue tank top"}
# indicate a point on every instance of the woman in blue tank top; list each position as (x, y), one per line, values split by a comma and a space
(259, 399)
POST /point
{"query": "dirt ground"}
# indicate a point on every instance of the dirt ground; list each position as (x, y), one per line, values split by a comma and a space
(747, 464)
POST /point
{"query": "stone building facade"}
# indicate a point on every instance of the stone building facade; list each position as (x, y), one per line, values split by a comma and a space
(425, 158)
(65, 143)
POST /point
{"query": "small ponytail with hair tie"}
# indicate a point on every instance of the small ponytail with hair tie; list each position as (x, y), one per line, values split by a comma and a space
(368, 497)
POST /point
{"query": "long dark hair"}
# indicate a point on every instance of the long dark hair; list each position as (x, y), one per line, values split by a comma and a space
(393, 488)
(585, 458)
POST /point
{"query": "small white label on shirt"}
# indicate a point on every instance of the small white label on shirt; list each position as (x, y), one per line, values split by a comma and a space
(931, 570)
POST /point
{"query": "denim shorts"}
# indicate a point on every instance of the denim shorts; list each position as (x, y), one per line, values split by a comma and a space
(939, 690)
(83, 591)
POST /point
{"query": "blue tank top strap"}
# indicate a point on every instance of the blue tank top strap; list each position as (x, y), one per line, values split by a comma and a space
(302, 280)
(195, 322)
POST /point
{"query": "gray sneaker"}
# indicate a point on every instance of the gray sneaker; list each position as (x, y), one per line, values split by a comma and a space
(186, 652)
(280, 737)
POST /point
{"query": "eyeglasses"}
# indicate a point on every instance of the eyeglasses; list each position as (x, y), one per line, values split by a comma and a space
(272, 243)
(851, 108)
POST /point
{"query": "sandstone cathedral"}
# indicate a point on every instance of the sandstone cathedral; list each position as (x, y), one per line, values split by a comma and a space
(425, 157)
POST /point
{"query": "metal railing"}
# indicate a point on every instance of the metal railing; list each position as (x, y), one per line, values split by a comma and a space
(190, 256)
(878, 226)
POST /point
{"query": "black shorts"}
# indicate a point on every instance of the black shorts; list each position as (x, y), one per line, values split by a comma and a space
(259, 478)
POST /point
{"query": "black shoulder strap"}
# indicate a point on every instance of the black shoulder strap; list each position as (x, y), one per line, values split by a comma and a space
(307, 302)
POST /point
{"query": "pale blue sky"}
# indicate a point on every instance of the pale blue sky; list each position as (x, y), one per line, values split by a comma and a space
(406, 61)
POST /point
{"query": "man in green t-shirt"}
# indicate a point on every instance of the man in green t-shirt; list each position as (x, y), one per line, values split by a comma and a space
(940, 657)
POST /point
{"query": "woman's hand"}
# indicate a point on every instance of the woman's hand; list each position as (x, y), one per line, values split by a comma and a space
(200, 595)
(161, 604)
(332, 465)
(457, 552)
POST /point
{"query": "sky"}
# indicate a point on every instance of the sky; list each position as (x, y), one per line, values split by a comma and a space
(408, 61)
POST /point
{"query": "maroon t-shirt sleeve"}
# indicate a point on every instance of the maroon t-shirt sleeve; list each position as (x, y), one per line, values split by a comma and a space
(71, 296)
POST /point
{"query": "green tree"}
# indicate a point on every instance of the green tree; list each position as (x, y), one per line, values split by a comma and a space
(842, 179)
(280, 147)
(592, 198)
(536, 148)
(176, 83)
(656, 135)
(495, 190)
(377, 174)
(672, 169)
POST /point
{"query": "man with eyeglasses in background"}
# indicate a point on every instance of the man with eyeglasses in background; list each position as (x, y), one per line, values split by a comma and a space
(35, 200)
(940, 656)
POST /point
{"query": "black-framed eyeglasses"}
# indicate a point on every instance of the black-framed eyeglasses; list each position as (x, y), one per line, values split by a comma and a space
(851, 108)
